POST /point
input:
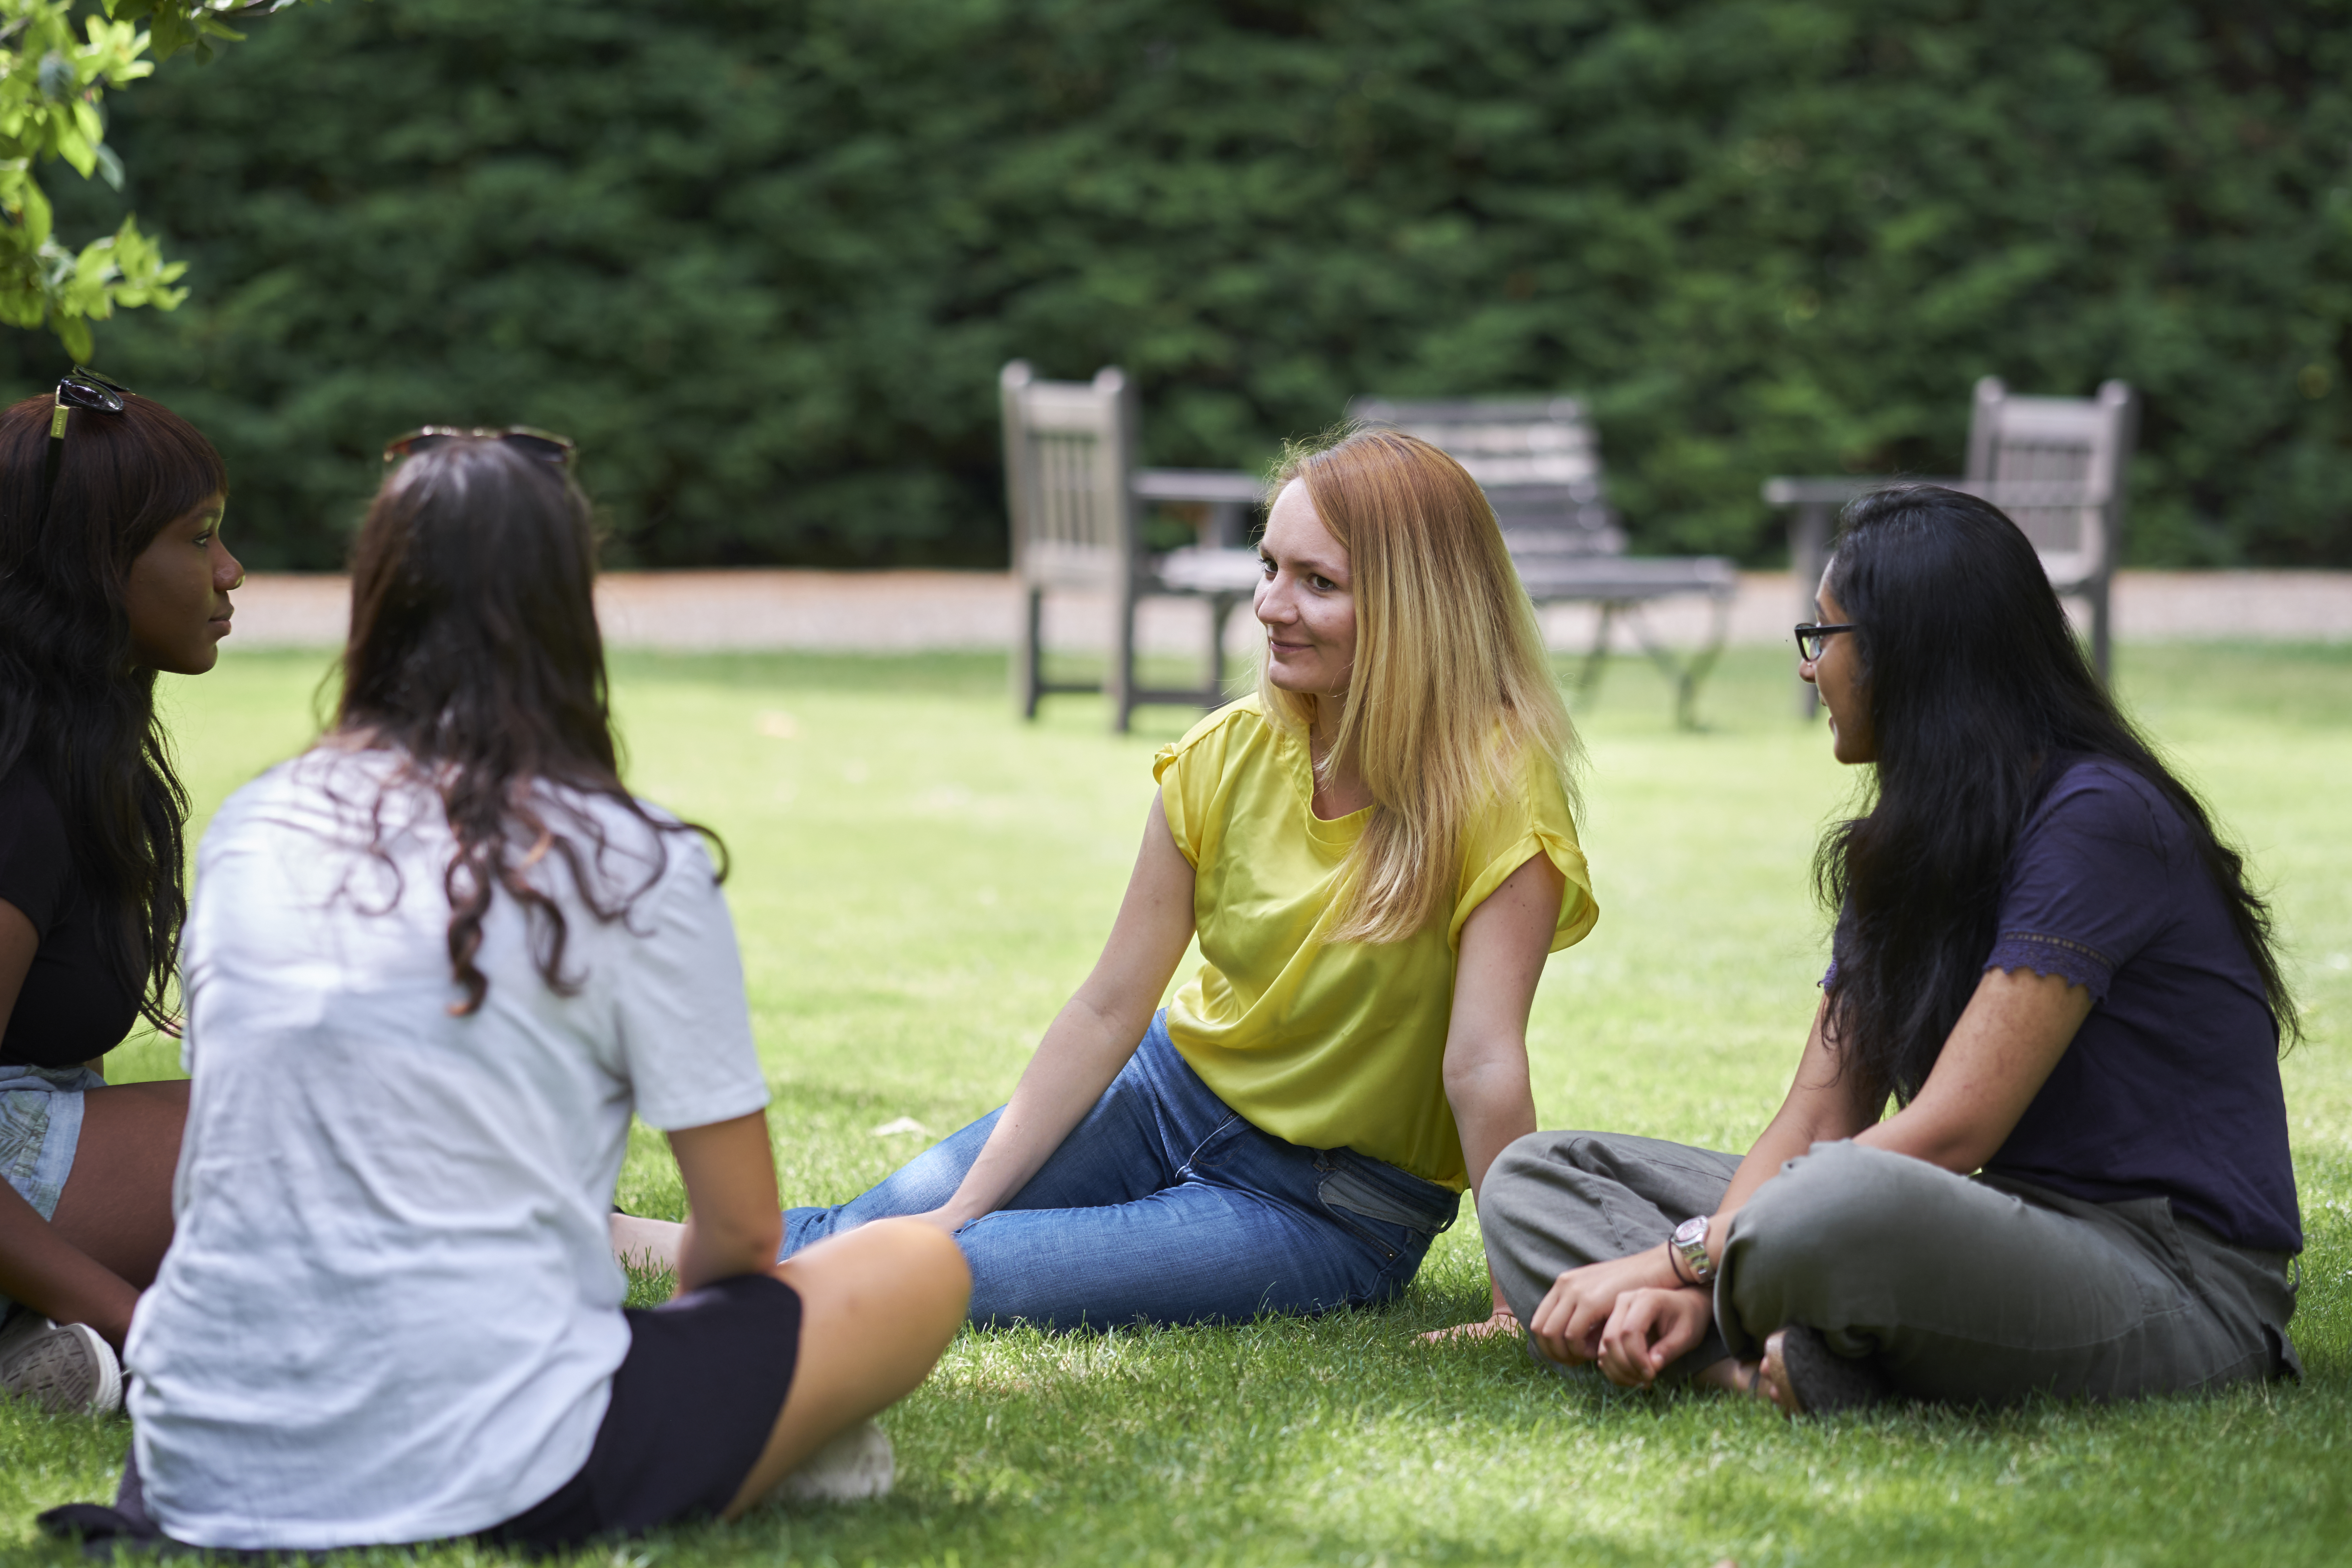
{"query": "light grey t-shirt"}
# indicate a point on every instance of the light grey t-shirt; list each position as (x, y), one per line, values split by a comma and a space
(390, 1311)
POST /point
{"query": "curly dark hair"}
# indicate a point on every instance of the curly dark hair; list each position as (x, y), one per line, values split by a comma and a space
(474, 652)
(1975, 683)
(74, 706)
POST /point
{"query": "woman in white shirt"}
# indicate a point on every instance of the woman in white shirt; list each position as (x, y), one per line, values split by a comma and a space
(433, 965)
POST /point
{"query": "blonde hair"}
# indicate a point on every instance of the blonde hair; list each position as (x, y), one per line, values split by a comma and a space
(1452, 692)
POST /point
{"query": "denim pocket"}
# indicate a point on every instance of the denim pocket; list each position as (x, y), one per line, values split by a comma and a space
(1358, 1190)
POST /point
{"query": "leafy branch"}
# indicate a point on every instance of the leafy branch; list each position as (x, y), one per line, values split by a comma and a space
(53, 83)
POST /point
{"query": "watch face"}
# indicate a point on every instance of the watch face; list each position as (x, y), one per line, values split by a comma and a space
(1691, 1231)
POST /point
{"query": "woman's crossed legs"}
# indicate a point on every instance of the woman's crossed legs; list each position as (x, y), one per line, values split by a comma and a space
(1959, 1289)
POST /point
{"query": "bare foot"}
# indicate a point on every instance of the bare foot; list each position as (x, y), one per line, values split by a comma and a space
(1772, 1377)
(650, 1243)
(1729, 1375)
(1502, 1322)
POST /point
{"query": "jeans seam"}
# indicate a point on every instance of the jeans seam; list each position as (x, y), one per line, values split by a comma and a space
(1194, 1153)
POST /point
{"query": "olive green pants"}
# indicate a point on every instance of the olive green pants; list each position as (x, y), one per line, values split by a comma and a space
(1964, 1289)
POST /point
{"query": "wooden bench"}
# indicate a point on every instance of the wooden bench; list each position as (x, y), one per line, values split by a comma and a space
(1538, 461)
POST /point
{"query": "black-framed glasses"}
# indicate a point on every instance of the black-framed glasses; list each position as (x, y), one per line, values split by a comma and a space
(1812, 636)
(544, 445)
(80, 387)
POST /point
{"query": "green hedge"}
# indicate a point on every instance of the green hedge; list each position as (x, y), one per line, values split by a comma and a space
(764, 259)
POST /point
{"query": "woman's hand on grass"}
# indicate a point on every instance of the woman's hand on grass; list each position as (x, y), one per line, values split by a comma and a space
(1648, 1328)
(1568, 1324)
(1504, 1322)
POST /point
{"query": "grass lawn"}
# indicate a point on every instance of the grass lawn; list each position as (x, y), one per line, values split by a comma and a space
(919, 880)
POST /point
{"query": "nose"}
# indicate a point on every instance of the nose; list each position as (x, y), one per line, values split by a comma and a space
(1270, 603)
(228, 571)
(1806, 670)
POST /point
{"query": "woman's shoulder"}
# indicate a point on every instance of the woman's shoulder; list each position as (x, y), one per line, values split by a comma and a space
(1238, 727)
(2104, 798)
(329, 783)
(1539, 791)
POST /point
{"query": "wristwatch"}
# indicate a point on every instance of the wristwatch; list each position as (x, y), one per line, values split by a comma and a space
(1690, 1243)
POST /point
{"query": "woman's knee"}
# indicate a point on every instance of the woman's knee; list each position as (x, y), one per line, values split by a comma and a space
(1534, 1165)
(903, 1268)
(1522, 1160)
(1841, 1208)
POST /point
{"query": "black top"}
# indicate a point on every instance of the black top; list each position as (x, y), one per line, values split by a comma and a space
(72, 1008)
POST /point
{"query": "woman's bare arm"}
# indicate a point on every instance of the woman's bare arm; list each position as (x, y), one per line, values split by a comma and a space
(1096, 1032)
(1819, 1108)
(37, 1265)
(1504, 944)
(1569, 1323)
(1999, 1055)
(733, 1225)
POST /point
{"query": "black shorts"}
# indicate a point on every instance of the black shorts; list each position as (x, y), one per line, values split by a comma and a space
(694, 1403)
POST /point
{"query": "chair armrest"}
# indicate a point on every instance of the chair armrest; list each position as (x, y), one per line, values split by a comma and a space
(2007, 494)
(1836, 490)
(1210, 486)
(1193, 570)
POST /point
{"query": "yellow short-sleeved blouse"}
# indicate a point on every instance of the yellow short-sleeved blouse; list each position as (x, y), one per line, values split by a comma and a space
(1330, 1046)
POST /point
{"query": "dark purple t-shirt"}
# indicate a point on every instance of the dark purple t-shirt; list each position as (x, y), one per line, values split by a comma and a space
(2171, 1085)
(2171, 1089)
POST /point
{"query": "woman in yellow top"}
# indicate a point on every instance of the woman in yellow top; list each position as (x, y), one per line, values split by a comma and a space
(1377, 853)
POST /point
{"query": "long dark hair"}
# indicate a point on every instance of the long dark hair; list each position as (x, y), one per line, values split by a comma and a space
(1975, 684)
(74, 707)
(473, 651)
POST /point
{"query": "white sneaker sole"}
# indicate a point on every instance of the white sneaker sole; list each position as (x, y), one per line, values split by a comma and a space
(857, 1465)
(63, 1368)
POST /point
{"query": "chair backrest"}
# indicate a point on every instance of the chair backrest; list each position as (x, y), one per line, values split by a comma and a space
(2058, 466)
(1069, 447)
(1537, 458)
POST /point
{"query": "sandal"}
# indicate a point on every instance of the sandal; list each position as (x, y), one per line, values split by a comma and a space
(1816, 1380)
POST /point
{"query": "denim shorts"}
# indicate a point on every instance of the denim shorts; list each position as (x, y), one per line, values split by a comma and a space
(40, 1127)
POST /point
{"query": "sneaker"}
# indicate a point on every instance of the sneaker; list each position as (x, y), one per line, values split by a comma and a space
(855, 1465)
(64, 1368)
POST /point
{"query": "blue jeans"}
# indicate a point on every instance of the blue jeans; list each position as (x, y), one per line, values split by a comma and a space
(1163, 1205)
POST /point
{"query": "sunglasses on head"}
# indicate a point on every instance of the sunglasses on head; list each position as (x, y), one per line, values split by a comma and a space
(544, 445)
(80, 387)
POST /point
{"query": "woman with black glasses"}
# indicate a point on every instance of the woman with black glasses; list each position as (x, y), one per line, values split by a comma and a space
(112, 572)
(2057, 970)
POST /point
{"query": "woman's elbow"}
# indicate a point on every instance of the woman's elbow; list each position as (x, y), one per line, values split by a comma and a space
(749, 1241)
(1477, 1078)
(1960, 1150)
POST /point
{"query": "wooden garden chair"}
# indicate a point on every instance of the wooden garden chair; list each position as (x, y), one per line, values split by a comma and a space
(1076, 502)
(2060, 467)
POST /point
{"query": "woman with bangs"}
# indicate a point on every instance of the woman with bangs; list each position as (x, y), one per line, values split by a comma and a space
(1377, 852)
(112, 572)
